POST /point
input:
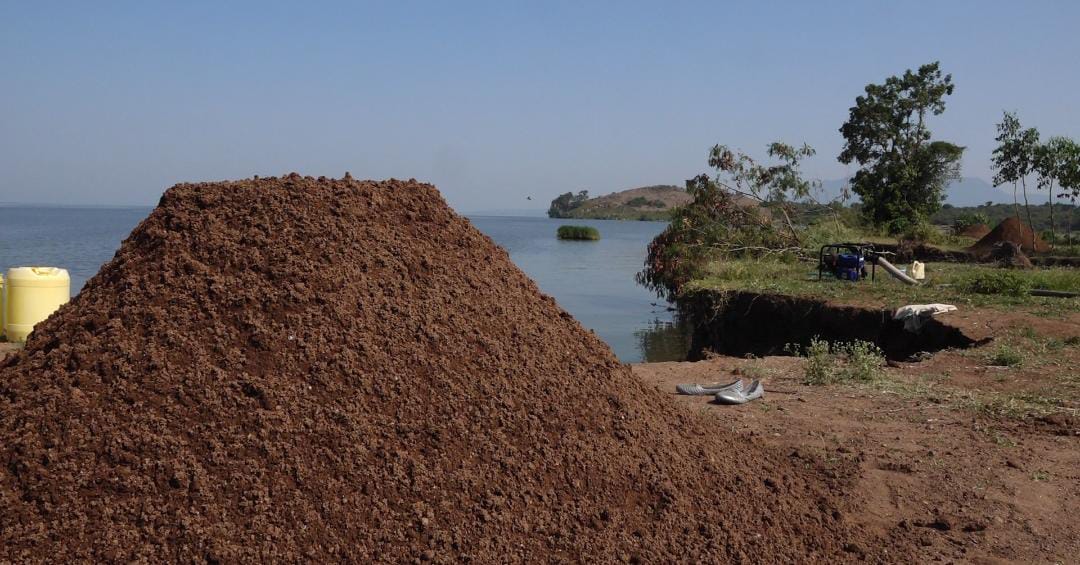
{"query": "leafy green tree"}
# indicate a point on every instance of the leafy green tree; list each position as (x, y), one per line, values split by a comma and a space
(1052, 160)
(903, 174)
(1014, 159)
(1068, 176)
(564, 203)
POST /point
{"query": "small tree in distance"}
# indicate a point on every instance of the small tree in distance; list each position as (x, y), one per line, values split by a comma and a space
(1051, 163)
(1070, 179)
(1014, 160)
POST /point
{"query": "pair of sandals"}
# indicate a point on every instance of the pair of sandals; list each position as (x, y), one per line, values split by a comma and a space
(732, 393)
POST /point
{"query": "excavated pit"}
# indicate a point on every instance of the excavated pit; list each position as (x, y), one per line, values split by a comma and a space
(742, 323)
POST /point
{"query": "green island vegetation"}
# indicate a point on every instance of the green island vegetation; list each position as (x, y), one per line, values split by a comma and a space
(582, 233)
(756, 225)
(650, 203)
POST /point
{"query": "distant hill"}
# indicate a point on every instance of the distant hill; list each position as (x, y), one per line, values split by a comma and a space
(645, 203)
(968, 191)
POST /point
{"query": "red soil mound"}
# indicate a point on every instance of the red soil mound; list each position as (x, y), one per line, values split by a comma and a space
(292, 369)
(1010, 229)
(976, 231)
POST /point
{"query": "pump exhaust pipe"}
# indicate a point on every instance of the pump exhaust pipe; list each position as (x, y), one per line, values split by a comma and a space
(892, 270)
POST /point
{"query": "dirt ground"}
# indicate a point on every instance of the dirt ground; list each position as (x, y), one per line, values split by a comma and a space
(961, 458)
(957, 456)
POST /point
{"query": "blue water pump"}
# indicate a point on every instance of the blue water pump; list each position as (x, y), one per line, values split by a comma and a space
(846, 261)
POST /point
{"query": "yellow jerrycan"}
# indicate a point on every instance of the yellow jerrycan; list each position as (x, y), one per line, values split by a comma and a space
(32, 294)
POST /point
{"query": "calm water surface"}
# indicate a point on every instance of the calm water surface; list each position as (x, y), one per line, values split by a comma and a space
(593, 280)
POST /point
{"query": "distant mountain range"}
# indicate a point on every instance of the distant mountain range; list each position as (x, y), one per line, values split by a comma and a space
(968, 191)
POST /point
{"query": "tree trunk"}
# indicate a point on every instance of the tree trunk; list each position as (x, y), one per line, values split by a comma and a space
(1053, 229)
(1016, 203)
(1027, 207)
(1068, 229)
(791, 227)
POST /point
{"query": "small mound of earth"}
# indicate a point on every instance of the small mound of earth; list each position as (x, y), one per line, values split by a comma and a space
(975, 231)
(1013, 231)
(299, 369)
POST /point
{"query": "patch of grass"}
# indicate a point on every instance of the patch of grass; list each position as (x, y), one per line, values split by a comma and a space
(1006, 356)
(857, 361)
(1003, 282)
(585, 233)
(991, 404)
(962, 284)
(1003, 440)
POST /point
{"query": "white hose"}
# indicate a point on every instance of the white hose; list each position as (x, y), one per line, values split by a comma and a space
(896, 273)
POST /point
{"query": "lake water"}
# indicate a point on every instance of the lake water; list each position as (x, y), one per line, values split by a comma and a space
(593, 280)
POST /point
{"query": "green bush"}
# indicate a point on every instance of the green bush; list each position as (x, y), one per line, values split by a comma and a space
(922, 232)
(1008, 283)
(639, 201)
(578, 233)
(1006, 356)
(819, 362)
(857, 361)
(713, 227)
(968, 219)
(826, 231)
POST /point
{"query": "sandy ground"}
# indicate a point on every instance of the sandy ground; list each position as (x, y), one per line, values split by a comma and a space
(966, 461)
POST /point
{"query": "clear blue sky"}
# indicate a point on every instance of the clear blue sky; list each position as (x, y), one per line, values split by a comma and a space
(112, 102)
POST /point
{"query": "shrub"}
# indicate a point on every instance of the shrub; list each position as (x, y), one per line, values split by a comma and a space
(713, 227)
(819, 362)
(859, 361)
(639, 201)
(1006, 356)
(578, 233)
(826, 231)
(1008, 283)
(968, 219)
(922, 232)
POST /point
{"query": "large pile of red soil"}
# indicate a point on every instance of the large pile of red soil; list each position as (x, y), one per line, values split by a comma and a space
(1010, 229)
(292, 369)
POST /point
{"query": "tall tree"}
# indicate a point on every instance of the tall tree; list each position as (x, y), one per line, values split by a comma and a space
(1014, 159)
(1069, 177)
(1051, 160)
(903, 174)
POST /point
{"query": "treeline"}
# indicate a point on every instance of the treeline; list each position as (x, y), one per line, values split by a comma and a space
(1064, 215)
(565, 203)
